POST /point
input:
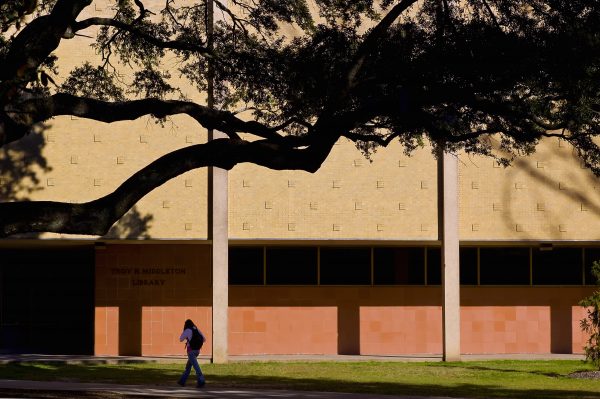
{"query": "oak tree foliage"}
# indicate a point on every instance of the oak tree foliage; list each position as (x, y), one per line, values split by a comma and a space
(590, 325)
(491, 77)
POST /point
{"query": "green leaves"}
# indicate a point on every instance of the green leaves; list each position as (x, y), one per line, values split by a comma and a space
(12, 13)
(94, 82)
(591, 324)
(442, 70)
(445, 71)
(150, 83)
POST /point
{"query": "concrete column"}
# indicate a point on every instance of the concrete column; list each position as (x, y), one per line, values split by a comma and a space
(218, 224)
(448, 232)
(218, 228)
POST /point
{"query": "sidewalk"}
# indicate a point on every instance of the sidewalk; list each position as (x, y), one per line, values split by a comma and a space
(178, 392)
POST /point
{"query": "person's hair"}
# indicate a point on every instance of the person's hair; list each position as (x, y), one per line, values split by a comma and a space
(188, 324)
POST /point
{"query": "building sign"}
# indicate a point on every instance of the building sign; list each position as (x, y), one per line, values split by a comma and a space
(148, 276)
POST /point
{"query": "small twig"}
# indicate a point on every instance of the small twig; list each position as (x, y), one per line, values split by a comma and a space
(491, 12)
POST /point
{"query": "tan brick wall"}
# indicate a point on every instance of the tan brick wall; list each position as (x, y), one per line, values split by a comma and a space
(395, 197)
(90, 159)
(546, 196)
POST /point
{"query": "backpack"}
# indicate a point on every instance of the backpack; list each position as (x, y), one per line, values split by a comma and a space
(197, 340)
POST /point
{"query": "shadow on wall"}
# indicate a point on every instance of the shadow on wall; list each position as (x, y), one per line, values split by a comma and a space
(390, 320)
(148, 310)
(133, 225)
(20, 163)
(574, 188)
(145, 292)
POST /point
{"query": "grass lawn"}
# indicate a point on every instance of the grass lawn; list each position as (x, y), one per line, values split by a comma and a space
(511, 379)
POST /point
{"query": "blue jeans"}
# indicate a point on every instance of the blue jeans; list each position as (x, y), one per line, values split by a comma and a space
(192, 362)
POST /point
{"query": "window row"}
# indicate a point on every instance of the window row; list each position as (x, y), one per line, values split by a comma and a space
(258, 265)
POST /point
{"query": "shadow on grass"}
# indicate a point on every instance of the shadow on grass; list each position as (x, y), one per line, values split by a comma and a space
(168, 375)
(465, 390)
(82, 362)
(497, 369)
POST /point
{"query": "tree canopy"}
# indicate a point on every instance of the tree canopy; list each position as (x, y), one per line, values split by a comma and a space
(451, 72)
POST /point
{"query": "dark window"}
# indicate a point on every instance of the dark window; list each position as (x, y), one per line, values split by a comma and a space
(504, 266)
(399, 266)
(468, 266)
(434, 266)
(47, 300)
(246, 265)
(291, 265)
(557, 266)
(591, 255)
(346, 266)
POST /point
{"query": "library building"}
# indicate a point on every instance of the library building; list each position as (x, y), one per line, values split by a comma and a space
(392, 255)
(398, 256)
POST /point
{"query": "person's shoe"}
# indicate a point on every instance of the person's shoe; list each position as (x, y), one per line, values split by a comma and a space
(201, 382)
(180, 383)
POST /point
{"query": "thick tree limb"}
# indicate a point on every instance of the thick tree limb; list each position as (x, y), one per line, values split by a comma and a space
(340, 97)
(36, 110)
(371, 41)
(37, 40)
(96, 217)
(29, 49)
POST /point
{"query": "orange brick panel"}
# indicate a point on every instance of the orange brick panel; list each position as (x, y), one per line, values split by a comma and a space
(106, 335)
(316, 319)
(400, 330)
(162, 326)
(579, 338)
(282, 330)
(520, 329)
(152, 289)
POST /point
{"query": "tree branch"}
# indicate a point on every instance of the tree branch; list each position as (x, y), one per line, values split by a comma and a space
(35, 42)
(372, 39)
(383, 141)
(491, 12)
(236, 21)
(348, 81)
(290, 121)
(96, 217)
(171, 44)
(36, 110)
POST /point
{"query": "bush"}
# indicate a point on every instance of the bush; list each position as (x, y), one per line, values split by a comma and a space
(591, 324)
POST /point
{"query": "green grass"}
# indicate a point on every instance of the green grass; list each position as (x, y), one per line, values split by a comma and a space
(510, 379)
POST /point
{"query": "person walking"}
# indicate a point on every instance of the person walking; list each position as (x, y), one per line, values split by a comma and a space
(194, 341)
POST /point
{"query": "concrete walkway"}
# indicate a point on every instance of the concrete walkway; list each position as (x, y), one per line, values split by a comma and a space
(178, 392)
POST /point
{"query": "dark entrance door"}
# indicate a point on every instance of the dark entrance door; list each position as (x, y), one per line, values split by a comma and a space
(47, 300)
